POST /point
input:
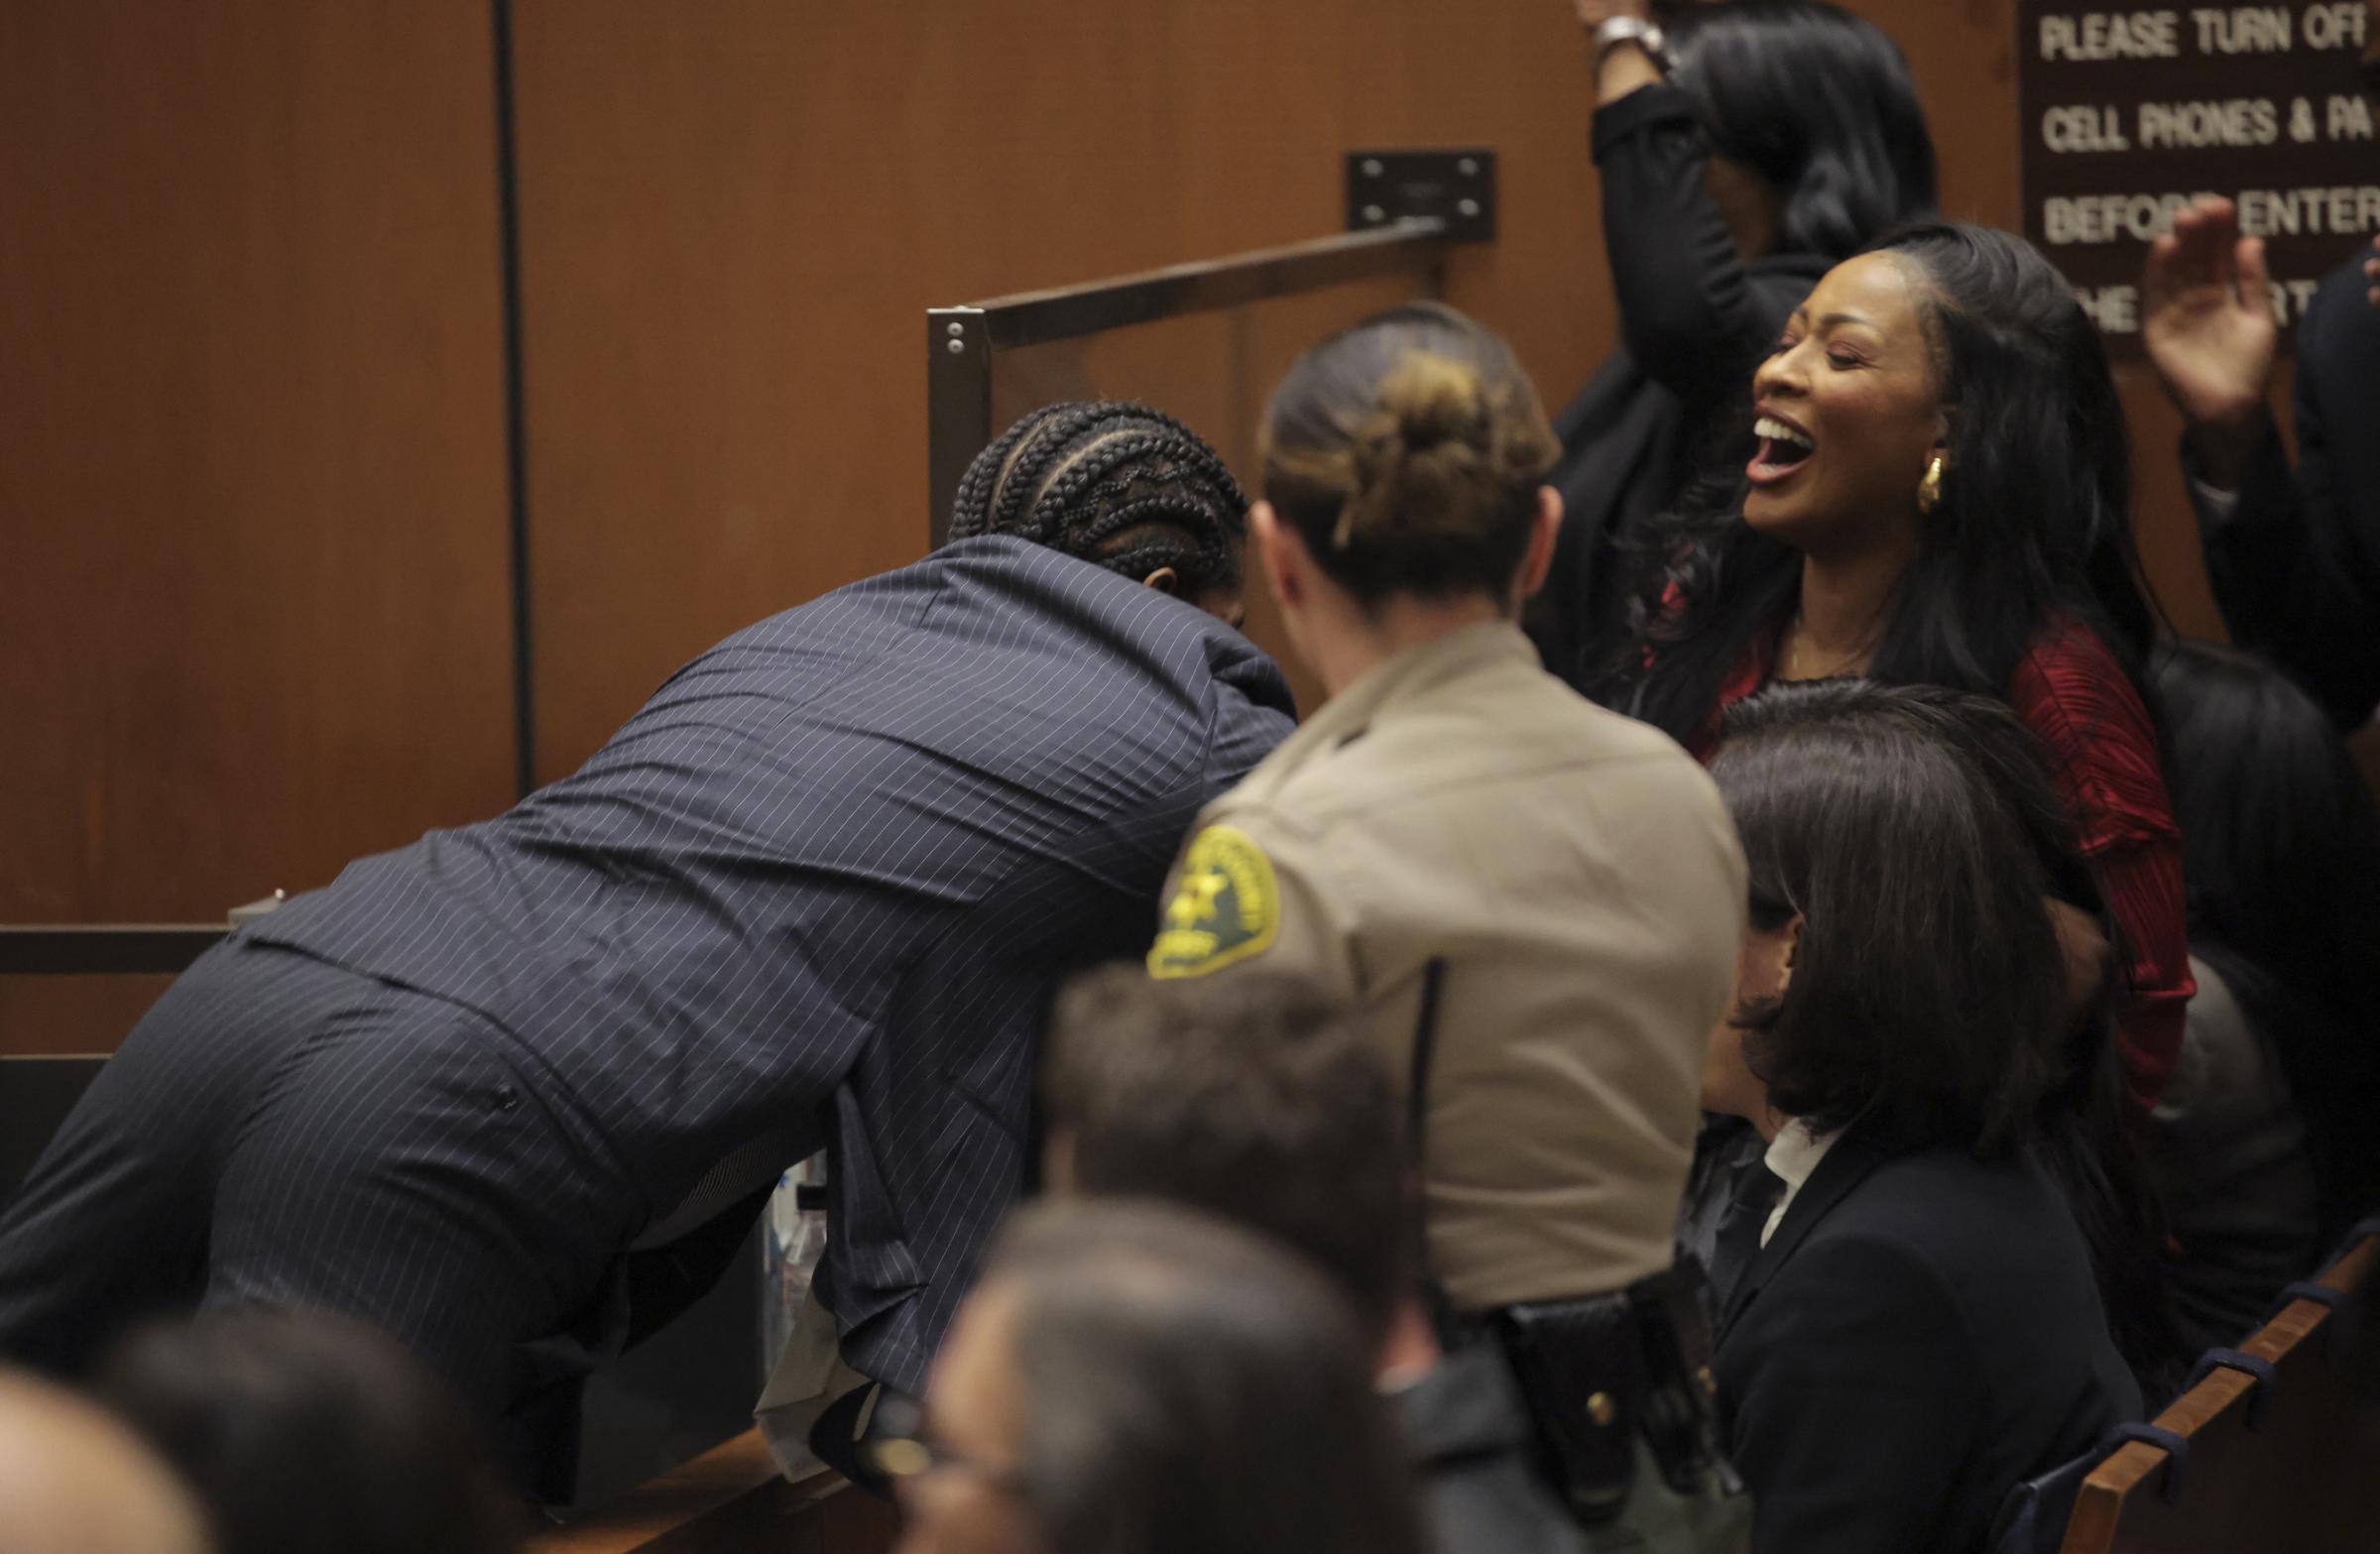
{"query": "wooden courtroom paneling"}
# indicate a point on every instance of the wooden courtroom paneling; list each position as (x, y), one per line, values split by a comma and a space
(41, 1016)
(735, 211)
(255, 598)
(250, 350)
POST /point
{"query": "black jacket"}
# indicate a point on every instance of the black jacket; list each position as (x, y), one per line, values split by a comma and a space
(1694, 321)
(1471, 1442)
(2296, 560)
(1921, 1333)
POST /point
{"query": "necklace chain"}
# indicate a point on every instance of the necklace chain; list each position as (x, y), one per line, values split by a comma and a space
(1794, 649)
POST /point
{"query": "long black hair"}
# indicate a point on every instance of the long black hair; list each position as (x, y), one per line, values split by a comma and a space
(1117, 484)
(2032, 524)
(2281, 861)
(1917, 832)
(1821, 105)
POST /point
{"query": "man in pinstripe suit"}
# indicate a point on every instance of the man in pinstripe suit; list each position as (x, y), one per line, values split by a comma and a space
(815, 893)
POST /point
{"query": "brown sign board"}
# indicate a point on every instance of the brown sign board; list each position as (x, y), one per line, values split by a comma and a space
(2128, 111)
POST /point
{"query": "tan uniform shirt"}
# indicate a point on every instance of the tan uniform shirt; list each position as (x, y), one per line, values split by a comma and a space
(1580, 877)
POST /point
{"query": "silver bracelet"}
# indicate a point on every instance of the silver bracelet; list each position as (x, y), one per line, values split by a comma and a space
(1613, 31)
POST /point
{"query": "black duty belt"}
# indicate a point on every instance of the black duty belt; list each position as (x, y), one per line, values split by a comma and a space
(1598, 1373)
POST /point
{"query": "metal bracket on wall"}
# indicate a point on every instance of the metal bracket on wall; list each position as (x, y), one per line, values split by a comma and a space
(1405, 209)
(1458, 188)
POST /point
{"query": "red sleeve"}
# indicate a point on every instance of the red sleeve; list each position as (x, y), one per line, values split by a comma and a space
(2103, 748)
(1748, 676)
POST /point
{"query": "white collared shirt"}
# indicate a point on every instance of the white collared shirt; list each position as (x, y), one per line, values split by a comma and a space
(1793, 1154)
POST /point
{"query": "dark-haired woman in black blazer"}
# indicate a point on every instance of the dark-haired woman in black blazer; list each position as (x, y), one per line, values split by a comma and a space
(1909, 1322)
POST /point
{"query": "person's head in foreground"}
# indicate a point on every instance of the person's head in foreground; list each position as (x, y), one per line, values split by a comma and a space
(75, 1481)
(1405, 486)
(1248, 1098)
(1120, 486)
(1135, 1377)
(307, 1433)
(1939, 427)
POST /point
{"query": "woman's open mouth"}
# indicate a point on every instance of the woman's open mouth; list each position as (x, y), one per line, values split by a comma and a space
(1784, 449)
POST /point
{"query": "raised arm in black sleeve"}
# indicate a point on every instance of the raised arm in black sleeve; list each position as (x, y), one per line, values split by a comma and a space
(1694, 321)
(2294, 560)
(1687, 309)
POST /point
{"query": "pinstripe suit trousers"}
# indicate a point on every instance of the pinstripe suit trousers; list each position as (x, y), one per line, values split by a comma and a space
(821, 887)
(278, 1128)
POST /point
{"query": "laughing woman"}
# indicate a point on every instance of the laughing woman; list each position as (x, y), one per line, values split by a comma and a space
(1941, 496)
(1742, 148)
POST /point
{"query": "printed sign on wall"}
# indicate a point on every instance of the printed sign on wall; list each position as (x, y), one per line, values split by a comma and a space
(2128, 113)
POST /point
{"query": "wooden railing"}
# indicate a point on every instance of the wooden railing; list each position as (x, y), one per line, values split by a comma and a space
(729, 1500)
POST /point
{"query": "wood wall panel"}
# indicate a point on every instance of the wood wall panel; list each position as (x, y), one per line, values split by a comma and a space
(254, 595)
(735, 211)
(56, 1015)
(255, 591)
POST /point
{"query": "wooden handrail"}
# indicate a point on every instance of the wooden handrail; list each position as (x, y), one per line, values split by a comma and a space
(731, 1500)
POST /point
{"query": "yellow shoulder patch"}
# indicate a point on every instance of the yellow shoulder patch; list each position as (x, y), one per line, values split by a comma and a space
(1226, 908)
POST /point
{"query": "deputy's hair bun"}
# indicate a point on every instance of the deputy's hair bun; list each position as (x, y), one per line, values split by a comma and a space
(1425, 456)
(1432, 400)
(1407, 452)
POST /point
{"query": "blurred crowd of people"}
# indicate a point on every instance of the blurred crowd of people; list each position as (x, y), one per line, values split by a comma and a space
(1774, 1002)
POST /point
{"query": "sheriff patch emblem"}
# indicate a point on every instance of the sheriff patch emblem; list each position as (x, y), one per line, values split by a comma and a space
(1226, 908)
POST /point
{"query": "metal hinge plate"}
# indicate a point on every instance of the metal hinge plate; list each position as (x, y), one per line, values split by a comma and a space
(1457, 187)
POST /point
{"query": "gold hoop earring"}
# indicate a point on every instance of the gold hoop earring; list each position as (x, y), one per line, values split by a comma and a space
(1928, 490)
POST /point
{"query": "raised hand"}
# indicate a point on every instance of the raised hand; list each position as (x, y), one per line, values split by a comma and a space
(2207, 324)
(2207, 315)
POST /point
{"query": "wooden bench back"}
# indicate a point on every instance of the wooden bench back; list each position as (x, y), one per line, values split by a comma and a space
(2289, 1469)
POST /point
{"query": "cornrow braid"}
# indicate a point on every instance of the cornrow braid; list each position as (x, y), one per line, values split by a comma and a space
(1120, 485)
(1061, 428)
(969, 511)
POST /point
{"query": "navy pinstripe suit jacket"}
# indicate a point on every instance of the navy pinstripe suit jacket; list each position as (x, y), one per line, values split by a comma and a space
(828, 876)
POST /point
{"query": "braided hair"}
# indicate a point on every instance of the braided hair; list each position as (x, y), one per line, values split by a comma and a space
(1119, 485)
